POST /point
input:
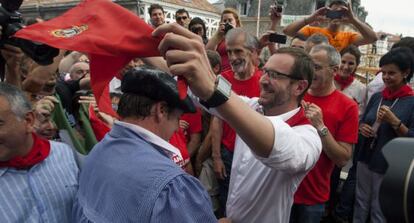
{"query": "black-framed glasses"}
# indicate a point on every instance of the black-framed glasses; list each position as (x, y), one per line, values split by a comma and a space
(278, 75)
(181, 17)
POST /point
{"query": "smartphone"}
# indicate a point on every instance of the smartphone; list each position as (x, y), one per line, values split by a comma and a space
(277, 38)
(335, 14)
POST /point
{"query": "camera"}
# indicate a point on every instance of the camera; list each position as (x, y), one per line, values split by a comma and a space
(335, 14)
(277, 38)
(11, 22)
(227, 27)
(396, 194)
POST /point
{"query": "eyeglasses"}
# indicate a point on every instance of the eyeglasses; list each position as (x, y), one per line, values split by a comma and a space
(181, 17)
(277, 75)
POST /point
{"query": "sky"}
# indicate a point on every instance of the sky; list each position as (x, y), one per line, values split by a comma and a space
(391, 16)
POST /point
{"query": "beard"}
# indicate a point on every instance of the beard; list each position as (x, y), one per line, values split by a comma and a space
(239, 66)
(270, 98)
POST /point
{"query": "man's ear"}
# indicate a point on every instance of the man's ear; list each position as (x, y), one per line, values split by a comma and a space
(335, 69)
(29, 120)
(301, 87)
(161, 111)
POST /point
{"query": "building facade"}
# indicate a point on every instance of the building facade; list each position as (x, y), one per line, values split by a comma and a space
(292, 10)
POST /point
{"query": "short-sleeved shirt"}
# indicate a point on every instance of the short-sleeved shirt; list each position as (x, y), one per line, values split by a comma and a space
(340, 116)
(249, 88)
(340, 40)
(180, 137)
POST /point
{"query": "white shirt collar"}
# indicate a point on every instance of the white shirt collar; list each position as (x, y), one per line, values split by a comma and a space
(151, 137)
(287, 115)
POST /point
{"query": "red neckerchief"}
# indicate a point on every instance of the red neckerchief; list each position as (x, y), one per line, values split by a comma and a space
(298, 119)
(40, 150)
(344, 83)
(404, 91)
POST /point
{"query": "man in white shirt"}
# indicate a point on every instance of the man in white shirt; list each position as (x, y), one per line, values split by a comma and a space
(275, 146)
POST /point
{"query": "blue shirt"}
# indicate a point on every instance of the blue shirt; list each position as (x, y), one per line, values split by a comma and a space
(128, 179)
(44, 193)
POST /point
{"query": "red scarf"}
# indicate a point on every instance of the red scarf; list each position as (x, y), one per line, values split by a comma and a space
(298, 119)
(40, 150)
(344, 83)
(404, 91)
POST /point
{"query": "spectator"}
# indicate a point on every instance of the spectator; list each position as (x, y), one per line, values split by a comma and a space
(182, 17)
(298, 41)
(78, 70)
(345, 80)
(149, 109)
(335, 116)
(230, 17)
(377, 84)
(157, 15)
(350, 86)
(38, 178)
(337, 38)
(244, 76)
(187, 138)
(315, 39)
(389, 114)
(198, 27)
(271, 148)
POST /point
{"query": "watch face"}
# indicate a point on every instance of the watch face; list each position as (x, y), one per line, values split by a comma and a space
(323, 131)
(223, 86)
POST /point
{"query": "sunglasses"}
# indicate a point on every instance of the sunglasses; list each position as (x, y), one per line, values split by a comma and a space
(277, 75)
(181, 17)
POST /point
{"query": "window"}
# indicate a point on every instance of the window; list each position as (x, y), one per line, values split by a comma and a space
(244, 8)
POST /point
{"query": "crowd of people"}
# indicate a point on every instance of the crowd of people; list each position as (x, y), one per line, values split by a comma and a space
(255, 139)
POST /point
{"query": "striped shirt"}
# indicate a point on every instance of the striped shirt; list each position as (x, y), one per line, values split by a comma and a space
(44, 193)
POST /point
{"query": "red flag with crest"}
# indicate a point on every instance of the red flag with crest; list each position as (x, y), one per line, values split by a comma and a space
(110, 34)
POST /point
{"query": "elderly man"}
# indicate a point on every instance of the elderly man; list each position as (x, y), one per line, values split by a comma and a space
(337, 38)
(78, 70)
(38, 178)
(244, 75)
(275, 146)
(131, 175)
(335, 116)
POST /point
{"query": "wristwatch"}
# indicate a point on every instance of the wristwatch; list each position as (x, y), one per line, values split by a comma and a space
(221, 94)
(323, 131)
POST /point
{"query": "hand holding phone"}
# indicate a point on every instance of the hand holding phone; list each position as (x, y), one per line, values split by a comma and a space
(277, 38)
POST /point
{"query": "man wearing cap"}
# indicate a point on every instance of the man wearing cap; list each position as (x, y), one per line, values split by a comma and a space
(130, 176)
(275, 145)
(337, 38)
